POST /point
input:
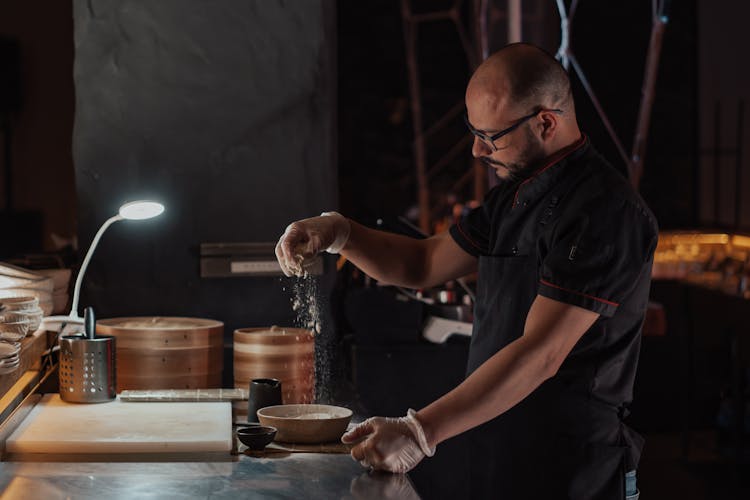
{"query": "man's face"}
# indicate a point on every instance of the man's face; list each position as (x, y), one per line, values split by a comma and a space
(516, 154)
(516, 161)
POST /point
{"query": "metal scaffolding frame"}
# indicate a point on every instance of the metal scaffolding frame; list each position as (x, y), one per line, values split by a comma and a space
(476, 47)
(475, 44)
(659, 20)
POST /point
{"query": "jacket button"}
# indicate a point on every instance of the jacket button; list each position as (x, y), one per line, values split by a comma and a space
(514, 250)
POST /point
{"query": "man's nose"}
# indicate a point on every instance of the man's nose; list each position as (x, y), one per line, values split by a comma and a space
(479, 148)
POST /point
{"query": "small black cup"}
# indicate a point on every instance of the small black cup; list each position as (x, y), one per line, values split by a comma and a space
(257, 437)
(263, 392)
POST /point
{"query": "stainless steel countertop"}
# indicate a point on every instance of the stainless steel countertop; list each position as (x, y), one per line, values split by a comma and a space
(243, 475)
(296, 475)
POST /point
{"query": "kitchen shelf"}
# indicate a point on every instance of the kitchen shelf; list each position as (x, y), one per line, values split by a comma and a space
(32, 348)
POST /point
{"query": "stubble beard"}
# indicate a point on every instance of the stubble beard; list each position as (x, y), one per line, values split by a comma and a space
(524, 166)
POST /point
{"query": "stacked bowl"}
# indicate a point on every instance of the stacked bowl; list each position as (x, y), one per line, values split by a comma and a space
(19, 315)
(9, 359)
(13, 326)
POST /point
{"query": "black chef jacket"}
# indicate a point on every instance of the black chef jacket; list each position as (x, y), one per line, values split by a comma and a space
(578, 233)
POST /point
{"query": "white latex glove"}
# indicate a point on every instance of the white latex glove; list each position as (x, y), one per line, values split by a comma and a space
(306, 238)
(390, 444)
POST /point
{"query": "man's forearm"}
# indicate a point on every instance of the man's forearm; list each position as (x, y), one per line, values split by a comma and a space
(496, 386)
(399, 260)
(390, 258)
(552, 329)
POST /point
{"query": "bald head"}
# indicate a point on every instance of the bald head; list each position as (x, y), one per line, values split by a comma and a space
(524, 76)
(520, 109)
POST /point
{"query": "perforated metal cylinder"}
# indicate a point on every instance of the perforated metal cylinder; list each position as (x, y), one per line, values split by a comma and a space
(87, 369)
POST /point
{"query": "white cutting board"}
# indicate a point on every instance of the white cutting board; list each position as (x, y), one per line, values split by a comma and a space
(117, 427)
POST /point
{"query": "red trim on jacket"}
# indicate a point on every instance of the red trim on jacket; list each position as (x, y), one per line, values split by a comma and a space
(551, 161)
(579, 293)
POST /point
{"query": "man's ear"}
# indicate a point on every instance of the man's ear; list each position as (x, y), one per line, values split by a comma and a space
(548, 123)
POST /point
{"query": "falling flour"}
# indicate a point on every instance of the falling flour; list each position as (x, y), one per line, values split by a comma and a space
(306, 304)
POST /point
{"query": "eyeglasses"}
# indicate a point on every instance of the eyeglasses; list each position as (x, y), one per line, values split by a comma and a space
(490, 139)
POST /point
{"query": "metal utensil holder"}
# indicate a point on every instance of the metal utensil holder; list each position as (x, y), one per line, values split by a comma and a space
(87, 369)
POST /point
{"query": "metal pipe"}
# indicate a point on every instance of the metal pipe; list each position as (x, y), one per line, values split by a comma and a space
(635, 167)
(514, 21)
(482, 7)
(481, 179)
(466, 43)
(564, 50)
(599, 109)
(420, 155)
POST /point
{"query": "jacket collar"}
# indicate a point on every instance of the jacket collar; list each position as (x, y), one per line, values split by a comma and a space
(540, 181)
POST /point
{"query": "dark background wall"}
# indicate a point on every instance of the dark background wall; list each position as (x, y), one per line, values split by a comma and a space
(724, 82)
(42, 122)
(225, 112)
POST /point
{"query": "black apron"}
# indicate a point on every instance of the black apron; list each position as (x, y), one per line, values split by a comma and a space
(559, 442)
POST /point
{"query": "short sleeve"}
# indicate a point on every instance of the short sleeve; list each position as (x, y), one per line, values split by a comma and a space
(596, 255)
(472, 231)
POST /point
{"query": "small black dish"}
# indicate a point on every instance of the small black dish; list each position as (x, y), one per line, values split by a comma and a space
(256, 437)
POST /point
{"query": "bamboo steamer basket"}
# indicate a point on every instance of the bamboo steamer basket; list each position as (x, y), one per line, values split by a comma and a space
(286, 354)
(166, 352)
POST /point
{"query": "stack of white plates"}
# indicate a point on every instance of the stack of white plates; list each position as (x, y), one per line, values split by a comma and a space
(18, 282)
(60, 286)
(9, 359)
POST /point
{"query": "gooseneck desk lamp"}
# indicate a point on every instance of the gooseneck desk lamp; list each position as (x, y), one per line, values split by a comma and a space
(134, 210)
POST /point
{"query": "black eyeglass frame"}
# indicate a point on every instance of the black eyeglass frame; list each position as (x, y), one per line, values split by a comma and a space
(490, 139)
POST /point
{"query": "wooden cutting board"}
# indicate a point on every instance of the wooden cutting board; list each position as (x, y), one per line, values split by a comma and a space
(121, 428)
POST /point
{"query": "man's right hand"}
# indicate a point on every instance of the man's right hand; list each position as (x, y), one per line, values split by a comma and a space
(306, 238)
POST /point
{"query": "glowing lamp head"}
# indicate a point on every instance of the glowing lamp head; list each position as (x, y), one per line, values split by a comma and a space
(140, 210)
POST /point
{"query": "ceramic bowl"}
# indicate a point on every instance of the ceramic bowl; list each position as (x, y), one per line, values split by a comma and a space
(9, 348)
(14, 303)
(4, 370)
(306, 423)
(13, 326)
(34, 317)
(256, 437)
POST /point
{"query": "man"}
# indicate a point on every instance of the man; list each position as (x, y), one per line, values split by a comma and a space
(563, 247)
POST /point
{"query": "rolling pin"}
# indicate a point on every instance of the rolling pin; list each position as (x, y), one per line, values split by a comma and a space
(183, 395)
